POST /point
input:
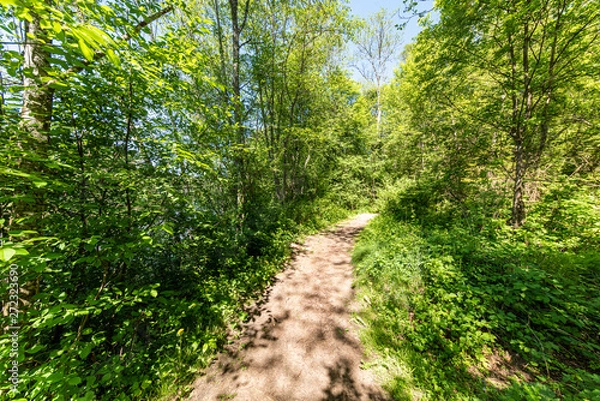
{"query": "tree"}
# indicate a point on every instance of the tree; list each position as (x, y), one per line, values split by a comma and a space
(503, 69)
(533, 51)
(377, 44)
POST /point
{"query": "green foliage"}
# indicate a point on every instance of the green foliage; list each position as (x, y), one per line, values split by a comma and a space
(492, 95)
(480, 126)
(447, 290)
(156, 207)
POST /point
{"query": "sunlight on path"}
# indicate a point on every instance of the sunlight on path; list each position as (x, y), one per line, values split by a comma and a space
(302, 346)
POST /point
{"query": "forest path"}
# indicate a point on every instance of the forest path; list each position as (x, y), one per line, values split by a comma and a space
(301, 345)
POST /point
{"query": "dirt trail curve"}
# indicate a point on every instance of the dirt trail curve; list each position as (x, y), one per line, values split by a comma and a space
(302, 346)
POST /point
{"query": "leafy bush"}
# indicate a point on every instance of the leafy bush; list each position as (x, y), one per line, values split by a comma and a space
(445, 294)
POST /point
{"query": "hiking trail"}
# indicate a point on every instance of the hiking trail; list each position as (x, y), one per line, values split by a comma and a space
(301, 344)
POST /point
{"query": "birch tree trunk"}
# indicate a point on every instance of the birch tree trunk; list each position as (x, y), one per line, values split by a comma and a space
(36, 113)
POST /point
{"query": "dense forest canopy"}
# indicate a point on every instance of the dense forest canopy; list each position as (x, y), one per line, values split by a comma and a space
(158, 158)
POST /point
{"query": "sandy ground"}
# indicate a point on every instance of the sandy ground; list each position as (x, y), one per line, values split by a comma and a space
(301, 344)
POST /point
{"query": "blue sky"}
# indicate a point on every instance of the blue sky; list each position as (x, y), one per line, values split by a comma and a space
(365, 8)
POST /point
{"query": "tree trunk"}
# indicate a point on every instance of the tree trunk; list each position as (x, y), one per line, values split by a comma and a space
(522, 131)
(237, 112)
(241, 184)
(378, 106)
(235, 49)
(518, 204)
(36, 113)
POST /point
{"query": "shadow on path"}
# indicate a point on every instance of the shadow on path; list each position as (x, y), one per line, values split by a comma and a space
(299, 343)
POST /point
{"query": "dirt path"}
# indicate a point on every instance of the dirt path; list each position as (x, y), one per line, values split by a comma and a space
(302, 346)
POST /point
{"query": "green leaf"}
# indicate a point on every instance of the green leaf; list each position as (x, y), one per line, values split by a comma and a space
(55, 377)
(107, 10)
(10, 171)
(93, 35)
(35, 349)
(24, 15)
(21, 233)
(153, 293)
(7, 253)
(166, 228)
(8, 2)
(113, 58)
(21, 251)
(86, 351)
(89, 396)
(87, 52)
(74, 380)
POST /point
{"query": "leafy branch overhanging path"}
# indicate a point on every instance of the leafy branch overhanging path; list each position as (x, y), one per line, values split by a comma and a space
(302, 346)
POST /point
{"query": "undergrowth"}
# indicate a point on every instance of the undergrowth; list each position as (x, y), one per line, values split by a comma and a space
(460, 307)
(228, 296)
(148, 341)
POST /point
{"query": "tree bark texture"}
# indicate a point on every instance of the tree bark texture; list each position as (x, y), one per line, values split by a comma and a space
(36, 113)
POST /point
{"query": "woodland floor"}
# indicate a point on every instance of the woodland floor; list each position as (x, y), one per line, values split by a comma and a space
(301, 343)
